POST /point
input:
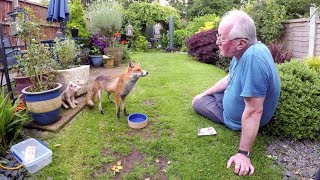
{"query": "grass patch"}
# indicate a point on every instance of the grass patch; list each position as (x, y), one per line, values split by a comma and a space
(92, 143)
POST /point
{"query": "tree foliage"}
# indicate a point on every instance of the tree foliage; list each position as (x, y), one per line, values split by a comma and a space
(268, 17)
(202, 7)
(296, 8)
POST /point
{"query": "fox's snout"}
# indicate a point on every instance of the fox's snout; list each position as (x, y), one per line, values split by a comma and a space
(144, 73)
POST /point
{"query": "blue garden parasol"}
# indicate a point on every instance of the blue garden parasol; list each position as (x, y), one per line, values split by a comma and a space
(58, 12)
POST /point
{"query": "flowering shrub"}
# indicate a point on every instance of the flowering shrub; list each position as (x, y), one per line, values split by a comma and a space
(203, 46)
(99, 41)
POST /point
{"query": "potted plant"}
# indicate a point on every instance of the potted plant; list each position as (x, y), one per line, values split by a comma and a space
(27, 27)
(106, 18)
(108, 61)
(11, 121)
(96, 56)
(42, 97)
(70, 69)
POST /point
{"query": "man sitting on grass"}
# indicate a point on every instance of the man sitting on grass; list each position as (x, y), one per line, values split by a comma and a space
(247, 97)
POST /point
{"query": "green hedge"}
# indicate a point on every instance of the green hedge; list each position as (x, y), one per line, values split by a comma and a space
(297, 115)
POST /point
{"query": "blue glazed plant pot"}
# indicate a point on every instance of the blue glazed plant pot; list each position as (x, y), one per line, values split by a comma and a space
(45, 106)
(96, 60)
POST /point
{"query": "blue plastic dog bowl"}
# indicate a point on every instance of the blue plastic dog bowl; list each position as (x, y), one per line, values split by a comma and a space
(137, 120)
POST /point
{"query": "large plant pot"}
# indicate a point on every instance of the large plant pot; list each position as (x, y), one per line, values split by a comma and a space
(96, 60)
(44, 106)
(78, 75)
(108, 62)
(116, 52)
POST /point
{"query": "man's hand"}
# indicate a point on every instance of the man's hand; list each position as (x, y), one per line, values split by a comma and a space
(242, 164)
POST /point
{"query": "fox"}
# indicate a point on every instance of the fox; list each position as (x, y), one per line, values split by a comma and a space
(120, 84)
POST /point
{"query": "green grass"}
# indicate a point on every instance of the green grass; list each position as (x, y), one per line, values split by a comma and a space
(92, 143)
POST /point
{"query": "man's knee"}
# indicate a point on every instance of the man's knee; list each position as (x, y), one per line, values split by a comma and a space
(197, 106)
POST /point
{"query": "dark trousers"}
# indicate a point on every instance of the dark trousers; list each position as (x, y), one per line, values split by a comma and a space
(210, 107)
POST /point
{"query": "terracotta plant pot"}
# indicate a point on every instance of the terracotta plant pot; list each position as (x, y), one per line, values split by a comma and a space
(108, 62)
(116, 52)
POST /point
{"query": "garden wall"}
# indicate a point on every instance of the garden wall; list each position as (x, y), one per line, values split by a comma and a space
(40, 11)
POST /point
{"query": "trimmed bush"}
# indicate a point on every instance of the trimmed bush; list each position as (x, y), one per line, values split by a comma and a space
(140, 43)
(297, 115)
(202, 46)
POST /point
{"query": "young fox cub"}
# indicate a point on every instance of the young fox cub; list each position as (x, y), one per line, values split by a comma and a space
(120, 85)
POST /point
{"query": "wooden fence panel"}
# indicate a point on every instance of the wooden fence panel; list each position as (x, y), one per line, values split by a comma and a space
(48, 29)
(296, 37)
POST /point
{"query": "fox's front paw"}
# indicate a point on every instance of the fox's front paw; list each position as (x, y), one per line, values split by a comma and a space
(101, 112)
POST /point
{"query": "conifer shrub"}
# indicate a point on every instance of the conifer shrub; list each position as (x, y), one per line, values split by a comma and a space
(297, 115)
(77, 19)
(202, 46)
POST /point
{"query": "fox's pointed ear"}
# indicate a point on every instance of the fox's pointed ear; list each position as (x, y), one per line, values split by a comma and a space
(131, 64)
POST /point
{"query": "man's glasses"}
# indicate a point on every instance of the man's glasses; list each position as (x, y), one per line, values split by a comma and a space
(221, 39)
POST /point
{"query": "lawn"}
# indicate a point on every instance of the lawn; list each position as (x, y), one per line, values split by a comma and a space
(168, 148)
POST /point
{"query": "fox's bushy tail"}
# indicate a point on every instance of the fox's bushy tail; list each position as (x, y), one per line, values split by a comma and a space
(92, 91)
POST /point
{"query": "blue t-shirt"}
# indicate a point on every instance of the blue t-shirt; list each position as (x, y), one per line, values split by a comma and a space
(253, 75)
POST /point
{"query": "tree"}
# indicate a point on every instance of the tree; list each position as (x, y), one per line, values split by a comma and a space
(296, 8)
(202, 7)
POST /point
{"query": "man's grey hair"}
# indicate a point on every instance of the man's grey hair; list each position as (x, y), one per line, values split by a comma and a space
(243, 25)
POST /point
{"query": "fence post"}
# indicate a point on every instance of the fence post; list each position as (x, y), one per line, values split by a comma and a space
(312, 31)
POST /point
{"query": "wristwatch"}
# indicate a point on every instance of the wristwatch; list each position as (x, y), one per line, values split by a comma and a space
(246, 153)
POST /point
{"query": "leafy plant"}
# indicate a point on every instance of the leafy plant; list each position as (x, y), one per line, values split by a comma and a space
(140, 43)
(314, 63)
(77, 19)
(126, 54)
(67, 52)
(11, 121)
(279, 54)
(203, 46)
(38, 64)
(297, 115)
(27, 27)
(95, 51)
(180, 37)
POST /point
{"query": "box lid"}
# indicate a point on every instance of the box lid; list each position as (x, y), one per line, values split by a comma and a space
(30, 151)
